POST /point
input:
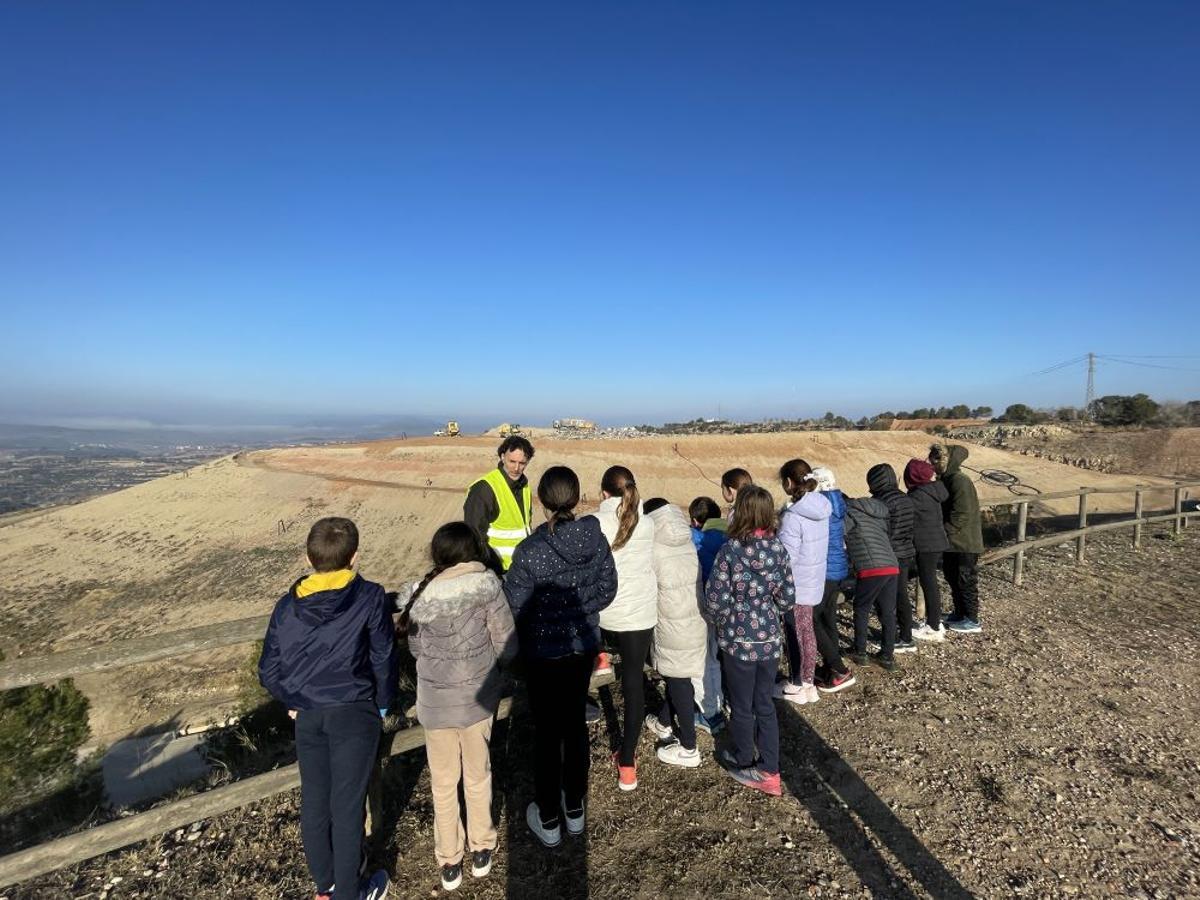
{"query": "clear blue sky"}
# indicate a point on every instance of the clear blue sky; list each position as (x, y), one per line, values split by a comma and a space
(628, 211)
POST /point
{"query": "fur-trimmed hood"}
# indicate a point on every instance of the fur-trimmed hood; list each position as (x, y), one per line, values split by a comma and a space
(453, 592)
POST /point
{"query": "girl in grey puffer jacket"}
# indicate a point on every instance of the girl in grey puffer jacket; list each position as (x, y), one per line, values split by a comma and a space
(460, 630)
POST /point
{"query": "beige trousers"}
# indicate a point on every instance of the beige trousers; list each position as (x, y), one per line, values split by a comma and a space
(456, 753)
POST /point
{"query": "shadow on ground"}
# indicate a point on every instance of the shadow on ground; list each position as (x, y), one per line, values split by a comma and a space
(854, 818)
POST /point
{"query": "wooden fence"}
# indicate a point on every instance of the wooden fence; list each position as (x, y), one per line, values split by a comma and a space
(1079, 535)
(76, 848)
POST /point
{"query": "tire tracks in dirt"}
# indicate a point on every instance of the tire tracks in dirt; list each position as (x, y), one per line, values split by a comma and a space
(251, 461)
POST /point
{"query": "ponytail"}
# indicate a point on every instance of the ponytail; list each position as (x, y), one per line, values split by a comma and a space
(801, 476)
(454, 543)
(558, 516)
(618, 481)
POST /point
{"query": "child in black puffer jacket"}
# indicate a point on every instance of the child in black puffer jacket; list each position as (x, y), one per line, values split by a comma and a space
(881, 480)
(561, 576)
(875, 568)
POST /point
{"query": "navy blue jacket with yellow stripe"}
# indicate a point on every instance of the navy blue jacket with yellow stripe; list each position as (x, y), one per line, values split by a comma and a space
(331, 647)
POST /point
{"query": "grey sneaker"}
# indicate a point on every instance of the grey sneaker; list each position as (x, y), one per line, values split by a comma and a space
(575, 819)
(905, 647)
(966, 626)
(552, 836)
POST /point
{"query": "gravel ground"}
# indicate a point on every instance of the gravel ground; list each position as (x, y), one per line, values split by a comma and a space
(1054, 755)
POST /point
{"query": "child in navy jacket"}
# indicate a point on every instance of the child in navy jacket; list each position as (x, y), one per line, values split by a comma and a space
(330, 655)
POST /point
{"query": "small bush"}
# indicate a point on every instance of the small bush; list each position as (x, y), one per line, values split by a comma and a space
(41, 731)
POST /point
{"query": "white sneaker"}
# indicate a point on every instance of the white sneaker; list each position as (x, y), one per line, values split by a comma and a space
(675, 755)
(925, 633)
(811, 694)
(785, 690)
(551, 837)
(657, 728)
(574, 823)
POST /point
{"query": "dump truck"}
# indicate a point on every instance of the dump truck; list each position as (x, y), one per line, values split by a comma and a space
(452, 429)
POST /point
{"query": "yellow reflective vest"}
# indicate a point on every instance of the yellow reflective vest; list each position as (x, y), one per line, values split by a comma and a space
(511, 526)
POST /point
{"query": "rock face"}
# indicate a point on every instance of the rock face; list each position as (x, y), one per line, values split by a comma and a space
(1036, 440)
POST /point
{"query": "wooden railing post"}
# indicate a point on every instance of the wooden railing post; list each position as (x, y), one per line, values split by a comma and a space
(1137, 515)
(1178, 510)
(1081, 541)
(1019, 559)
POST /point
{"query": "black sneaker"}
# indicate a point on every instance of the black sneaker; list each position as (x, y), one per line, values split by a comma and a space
(860, 659)
(451, 876)
(905, 647)
(481, 863)
(887, 663)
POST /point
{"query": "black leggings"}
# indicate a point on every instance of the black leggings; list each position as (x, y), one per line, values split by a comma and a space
(634, 649)
(825, 627)
(904, 609)
(927, 566)
(677, 713)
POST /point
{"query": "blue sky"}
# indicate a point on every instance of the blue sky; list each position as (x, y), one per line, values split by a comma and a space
(239, 212)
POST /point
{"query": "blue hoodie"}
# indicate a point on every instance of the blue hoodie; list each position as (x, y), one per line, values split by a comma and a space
(331, 647)
(837, 566)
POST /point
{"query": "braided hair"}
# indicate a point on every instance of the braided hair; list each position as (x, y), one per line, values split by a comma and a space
(452, 544)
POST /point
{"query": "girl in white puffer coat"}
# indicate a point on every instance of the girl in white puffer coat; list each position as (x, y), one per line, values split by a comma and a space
(627, 624)
(681, 635)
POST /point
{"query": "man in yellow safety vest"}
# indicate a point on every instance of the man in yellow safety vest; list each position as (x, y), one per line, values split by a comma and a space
(499, 505)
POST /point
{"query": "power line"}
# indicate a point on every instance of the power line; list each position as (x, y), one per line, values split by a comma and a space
(1144, 365)
(1062, 365)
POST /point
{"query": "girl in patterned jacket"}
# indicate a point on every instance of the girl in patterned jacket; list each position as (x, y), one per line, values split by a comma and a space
(748, 593)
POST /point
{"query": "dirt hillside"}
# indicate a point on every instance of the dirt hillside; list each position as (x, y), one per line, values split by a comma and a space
(223, 540)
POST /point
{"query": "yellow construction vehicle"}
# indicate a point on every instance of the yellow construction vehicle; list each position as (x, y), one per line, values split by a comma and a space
(507, 430)
(452, 429)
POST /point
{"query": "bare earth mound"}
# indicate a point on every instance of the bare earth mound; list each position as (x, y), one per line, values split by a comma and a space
(223, 540)
(1055, 755)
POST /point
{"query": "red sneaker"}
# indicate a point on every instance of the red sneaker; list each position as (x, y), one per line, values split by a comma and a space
(603, 664)
(627, 775)
(836, 682)
(754, 778)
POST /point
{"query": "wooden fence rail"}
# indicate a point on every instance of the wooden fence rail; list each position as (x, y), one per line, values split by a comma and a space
(1017, 550)
(76, 848)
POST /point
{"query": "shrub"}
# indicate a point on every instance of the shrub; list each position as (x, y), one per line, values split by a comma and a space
(41, 731)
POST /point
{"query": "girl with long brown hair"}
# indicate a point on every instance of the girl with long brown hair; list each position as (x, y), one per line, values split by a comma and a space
(628, 624)
(748, 592)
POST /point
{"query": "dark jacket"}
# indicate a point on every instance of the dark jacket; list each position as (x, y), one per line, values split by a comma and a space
(556, 587)
(481, 508)
(867, 542)
(964, 527)
(460, 633)
(881, 480)
(929, 534)
(837, 566)
(331, 647)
